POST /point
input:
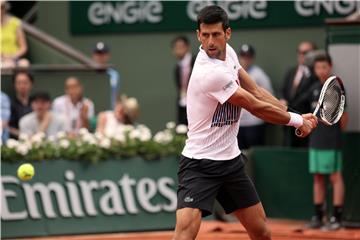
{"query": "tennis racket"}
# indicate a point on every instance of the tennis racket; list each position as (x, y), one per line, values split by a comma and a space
(331, 103)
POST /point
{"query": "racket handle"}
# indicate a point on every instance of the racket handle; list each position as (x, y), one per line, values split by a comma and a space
(298, 132)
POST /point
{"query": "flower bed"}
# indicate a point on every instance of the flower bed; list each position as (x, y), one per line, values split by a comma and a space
(125, 142)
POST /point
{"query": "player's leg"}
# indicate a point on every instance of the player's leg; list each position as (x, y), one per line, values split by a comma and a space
(238, 195)
(188, 222)
(196, 194)
(254, 220)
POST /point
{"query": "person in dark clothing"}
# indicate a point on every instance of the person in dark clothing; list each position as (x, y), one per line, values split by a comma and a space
(297, 80)
(181, 50)
(20, 104)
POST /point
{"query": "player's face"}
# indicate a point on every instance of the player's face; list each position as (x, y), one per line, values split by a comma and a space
(213, 39)
(322, 70)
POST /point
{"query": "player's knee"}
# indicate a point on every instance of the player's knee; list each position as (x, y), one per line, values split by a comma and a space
(263, 234)
(187, 224)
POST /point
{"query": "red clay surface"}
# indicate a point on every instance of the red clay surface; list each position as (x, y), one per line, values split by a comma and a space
(213, 230)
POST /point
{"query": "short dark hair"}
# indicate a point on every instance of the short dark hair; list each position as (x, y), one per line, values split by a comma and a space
(28, 74)
(180, 38)
(323, 58)
(40, 95)
(213, 14)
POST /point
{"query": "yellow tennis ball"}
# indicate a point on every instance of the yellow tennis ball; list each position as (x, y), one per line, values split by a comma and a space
(26, 171)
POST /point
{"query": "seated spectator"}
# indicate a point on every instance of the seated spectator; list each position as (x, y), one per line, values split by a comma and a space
(252, 129)
(126, 111)
(41, 119)
(13, 41)
(74, 107)
(20, 104)
(5, 117)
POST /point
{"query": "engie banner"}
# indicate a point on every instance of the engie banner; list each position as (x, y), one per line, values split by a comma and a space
(88, 17)
(72, 197)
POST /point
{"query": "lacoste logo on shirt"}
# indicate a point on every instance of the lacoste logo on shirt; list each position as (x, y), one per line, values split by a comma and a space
(188, 199)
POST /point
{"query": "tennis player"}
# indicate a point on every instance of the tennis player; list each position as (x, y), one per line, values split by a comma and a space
(212, 166)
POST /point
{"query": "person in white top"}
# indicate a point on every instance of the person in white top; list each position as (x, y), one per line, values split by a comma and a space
(252, 129)
(211, 166)
(126, 112)
(74, 107)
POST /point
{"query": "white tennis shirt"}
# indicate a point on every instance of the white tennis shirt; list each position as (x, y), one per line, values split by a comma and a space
(213, 122)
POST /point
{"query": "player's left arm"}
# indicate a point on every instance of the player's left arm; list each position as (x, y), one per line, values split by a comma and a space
(260, 93)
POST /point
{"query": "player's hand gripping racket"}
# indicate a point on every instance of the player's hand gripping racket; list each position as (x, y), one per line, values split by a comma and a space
(330, 106)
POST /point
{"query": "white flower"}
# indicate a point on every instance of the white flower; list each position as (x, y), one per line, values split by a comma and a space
(144, 137)
(23, 137)
(120, 137)
(181, 129)
(12, 143)
(22, 149)
(89, 138)
(38, 138)
(61, 134)
(64, 143)
(83, 131)
(105, 143)
(99, 135)
(163, 137)
(52, 138)
(170, 125)
(135, 134)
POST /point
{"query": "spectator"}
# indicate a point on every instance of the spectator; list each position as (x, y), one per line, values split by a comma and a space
(74, 107)
(13, 41)
(5, 117)
(181, 50)
(297, 80)
(252, 129)
(101, 55)
(41, 119)
(126, 111)
(325, 157)
(20, 104)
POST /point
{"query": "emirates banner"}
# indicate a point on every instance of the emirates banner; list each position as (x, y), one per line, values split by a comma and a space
(73, 197)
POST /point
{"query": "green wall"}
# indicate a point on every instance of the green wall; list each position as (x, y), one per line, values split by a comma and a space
(146, 64)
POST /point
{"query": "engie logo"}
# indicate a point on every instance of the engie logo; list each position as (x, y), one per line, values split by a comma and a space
(101, 13)
(85, 198)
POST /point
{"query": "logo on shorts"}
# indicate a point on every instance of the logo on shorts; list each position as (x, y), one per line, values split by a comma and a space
(188, 199)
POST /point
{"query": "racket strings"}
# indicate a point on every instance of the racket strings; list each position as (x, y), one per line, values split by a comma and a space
(332, 102)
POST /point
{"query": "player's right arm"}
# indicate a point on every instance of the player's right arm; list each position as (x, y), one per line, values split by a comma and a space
(271, 113)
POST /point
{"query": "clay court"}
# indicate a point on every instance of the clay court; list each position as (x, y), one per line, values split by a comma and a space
(213, 230)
